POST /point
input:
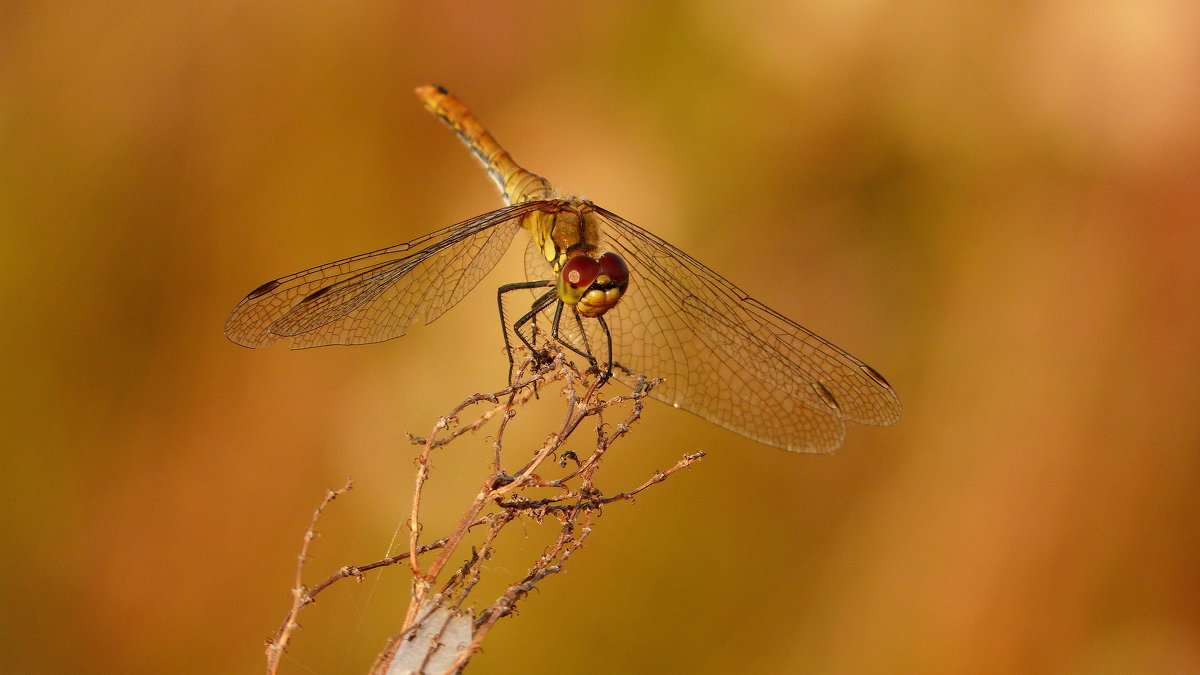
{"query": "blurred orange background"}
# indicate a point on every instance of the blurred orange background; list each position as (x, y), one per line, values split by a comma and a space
(997, 205)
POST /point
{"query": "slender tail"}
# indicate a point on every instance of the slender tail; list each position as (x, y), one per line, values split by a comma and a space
(516, 184)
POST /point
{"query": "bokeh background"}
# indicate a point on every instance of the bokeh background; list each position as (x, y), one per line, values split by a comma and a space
(996, 204)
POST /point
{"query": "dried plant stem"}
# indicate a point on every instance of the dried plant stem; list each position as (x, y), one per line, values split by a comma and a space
(300, 595)
(439, 633)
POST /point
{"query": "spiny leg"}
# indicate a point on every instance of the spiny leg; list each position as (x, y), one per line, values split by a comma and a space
(607, 372)
(539, 304)
(587, 352)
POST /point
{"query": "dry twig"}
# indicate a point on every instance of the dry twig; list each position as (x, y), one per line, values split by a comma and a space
(440, 634)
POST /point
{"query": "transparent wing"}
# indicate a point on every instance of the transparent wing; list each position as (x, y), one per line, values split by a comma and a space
(725, 356)
(377, 296)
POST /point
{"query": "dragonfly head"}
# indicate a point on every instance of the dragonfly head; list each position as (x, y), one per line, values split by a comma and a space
(593, 285)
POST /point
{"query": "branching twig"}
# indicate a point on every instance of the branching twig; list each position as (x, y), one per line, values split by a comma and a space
(300, 595)
(438, 634)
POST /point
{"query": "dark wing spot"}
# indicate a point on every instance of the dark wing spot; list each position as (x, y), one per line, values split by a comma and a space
(316, 294)
(871, 372)
(826, 395)
(263, 290)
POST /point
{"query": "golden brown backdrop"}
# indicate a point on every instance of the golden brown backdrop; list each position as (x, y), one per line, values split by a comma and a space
(997, 204)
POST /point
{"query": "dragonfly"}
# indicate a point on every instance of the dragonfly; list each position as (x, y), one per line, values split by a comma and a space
(604, 286)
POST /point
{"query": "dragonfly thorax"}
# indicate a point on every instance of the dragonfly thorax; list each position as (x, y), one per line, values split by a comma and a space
(562, 229)
(567, 233)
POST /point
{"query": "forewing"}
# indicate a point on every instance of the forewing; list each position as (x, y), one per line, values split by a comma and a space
(727, 357)
(377, 296)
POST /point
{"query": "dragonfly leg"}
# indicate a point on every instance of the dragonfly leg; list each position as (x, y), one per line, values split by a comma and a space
(541, 303)
(587, 348)
(587, 351)
(607, 372)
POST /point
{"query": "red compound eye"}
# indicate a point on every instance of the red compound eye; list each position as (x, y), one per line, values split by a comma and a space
(580, 271)
(613, 266)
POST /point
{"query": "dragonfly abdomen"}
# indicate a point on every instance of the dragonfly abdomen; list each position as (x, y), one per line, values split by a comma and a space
(515, 183)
